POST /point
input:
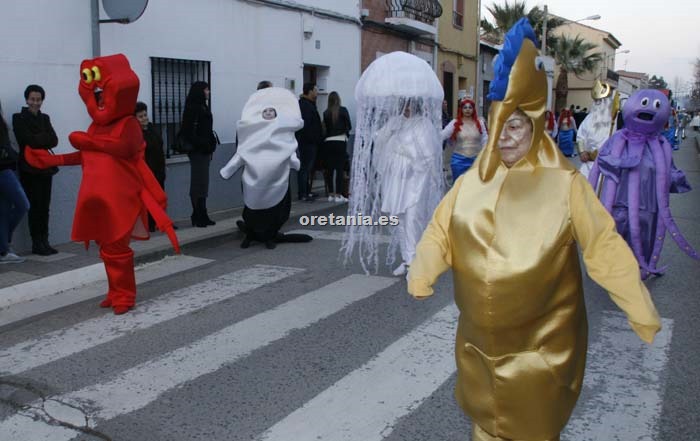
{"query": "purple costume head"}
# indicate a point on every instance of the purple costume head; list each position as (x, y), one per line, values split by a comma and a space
(646, 112)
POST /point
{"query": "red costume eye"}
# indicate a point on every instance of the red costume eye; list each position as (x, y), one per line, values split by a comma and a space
(87, 75)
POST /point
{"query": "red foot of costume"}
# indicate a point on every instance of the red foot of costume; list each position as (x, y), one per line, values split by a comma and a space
(118, 188)
(119, 265)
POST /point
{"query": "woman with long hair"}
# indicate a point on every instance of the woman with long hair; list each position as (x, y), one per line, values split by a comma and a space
(13, 201)
(567, 133)
(336, 119)
(197, 128)
(468, 134)
(550, 124)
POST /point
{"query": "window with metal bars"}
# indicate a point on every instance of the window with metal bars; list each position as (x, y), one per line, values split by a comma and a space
(171, 79)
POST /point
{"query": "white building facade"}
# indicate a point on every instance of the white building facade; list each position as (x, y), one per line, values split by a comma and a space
(233, 44)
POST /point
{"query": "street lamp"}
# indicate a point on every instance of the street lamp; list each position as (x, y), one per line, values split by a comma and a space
(607, 57)
(590, 17)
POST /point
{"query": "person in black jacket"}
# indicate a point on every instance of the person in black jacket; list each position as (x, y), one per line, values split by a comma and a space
(13, 201)
(197, 128)
(154, 155)
(336, 119)
(33, 130)
(308, 138)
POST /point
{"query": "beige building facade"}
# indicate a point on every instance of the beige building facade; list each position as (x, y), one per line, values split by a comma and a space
(580, 86)
(458, 50)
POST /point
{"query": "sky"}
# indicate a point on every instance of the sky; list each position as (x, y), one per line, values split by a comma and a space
(663, 36)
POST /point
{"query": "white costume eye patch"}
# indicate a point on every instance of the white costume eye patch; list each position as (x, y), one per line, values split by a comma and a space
(269, 113)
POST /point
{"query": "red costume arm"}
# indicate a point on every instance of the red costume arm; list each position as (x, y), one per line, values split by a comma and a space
(163, 222)
(151, 185)
(44, 159)
(123, 145)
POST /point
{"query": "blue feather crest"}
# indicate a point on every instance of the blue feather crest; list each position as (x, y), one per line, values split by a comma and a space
(504, 63)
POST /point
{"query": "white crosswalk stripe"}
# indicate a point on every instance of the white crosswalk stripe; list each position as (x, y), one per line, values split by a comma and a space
(140, 385)
(49, 293)
(365, 404)
(625, 374)
(90, 333)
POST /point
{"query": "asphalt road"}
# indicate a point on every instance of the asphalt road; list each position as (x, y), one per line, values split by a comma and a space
(287, 344)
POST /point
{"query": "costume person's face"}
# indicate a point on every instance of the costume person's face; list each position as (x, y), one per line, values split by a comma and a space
(515, 139)
(467, 110)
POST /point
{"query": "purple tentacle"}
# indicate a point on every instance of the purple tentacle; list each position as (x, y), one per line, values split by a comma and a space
(594, 175)
(661, 150)
(633, 216)
(616, 145)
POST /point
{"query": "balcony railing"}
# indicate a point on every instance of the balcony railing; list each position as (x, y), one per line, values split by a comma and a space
(425, 11)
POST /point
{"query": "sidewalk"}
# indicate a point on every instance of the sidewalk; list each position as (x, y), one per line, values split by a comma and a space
(47, 283)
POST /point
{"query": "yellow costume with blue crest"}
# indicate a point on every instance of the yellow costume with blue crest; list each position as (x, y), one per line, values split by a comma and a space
(510, 235)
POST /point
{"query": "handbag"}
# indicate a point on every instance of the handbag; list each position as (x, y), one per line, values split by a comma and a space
(182, 144)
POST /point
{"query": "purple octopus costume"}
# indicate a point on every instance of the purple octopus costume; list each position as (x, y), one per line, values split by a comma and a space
(637, 176)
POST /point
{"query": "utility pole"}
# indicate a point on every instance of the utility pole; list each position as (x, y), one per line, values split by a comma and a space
(544, 32)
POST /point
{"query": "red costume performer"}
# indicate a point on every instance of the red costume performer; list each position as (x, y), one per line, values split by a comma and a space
(117, 188)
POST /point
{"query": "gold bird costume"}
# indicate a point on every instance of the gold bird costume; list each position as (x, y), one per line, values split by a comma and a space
(510, 235)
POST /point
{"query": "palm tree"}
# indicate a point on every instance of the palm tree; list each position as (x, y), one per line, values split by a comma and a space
(572, 56)
(506, 15)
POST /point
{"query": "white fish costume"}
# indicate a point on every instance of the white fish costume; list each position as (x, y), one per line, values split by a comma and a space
(397, 157)
(599, 124)
(266, 152)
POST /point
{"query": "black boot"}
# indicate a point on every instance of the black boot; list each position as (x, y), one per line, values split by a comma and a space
(196, 218)
(39, 248)
(47, 246)
(203, 208)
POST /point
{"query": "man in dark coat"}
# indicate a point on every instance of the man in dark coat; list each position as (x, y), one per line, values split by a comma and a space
(309, 137)
(33, 130)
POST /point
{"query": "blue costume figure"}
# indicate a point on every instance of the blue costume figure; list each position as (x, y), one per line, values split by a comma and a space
(670, 130)
(567, 133)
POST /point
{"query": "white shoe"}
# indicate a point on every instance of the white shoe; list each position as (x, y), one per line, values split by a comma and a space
(341, 199)
(11, 257)
(400, 270)
(331, 199)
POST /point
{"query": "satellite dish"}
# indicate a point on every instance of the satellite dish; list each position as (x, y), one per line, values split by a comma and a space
(124, 11)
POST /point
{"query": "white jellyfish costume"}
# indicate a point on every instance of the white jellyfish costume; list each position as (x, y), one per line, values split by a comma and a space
(397, 159)
(267, 152)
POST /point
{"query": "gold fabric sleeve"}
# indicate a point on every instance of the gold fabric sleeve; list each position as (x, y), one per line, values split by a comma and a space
(433, 252)
(609, 260)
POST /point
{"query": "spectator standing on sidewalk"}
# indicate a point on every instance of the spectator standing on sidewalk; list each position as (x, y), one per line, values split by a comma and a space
(155, 157)
(33, 130)
(13, 201)
(308, 138)
(336, 119)
(197, 128)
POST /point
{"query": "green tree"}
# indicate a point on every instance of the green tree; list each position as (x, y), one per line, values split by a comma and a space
(657, 82)
(572, 55)
(507, 14)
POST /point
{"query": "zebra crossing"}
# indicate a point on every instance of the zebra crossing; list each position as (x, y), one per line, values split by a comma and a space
(622, 396)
